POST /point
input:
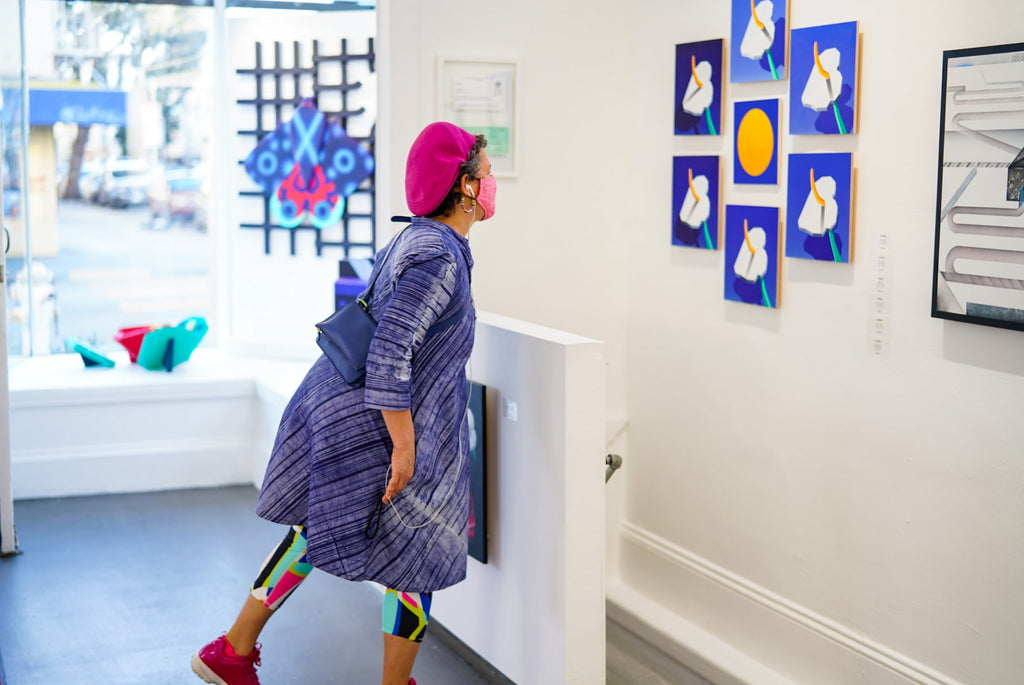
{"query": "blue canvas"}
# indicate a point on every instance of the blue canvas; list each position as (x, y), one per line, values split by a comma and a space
(758, 46)
(823, 84)
(752, 255)
(756, 148)
(696, 193)
(698, 91)
(818, 216)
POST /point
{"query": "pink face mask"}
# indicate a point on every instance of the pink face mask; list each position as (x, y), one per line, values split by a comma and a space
(488, 188)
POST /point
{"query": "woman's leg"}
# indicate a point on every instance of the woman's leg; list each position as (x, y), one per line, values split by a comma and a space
(282, 571)
(233, 657)
(404, 619)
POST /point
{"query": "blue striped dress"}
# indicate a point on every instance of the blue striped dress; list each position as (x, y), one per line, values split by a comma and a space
(329, 464)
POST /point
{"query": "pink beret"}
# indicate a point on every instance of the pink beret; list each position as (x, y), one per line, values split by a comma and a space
(433, 165)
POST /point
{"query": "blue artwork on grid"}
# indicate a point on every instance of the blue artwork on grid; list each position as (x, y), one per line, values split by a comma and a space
(758, 45)
(695, 202)
(819, 206)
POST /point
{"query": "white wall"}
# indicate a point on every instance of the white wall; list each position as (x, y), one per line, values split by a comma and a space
(874, 496)
(554, 253)
(543, 583)
(836, 515)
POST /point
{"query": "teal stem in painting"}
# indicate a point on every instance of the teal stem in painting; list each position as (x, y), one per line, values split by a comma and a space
(764, 293)
(707, 236)
(711, 124)
(839, 119)
(771, 63)
(835, 250)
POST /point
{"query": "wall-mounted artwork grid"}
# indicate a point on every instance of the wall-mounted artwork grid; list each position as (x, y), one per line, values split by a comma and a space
(819, 206)
(476, 418)
(823, 79)
(280, 83)
(758, 47)
(698, 89)
(978, 272)
(756, 149)
(696, 195)
(752, 255)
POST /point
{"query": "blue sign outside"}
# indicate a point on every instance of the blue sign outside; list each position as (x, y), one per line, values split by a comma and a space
(73, 105)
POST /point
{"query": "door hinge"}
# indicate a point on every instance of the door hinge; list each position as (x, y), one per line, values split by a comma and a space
(1, 273)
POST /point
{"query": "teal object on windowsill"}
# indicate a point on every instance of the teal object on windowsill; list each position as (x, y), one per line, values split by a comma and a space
(165, 348)
(90, 355)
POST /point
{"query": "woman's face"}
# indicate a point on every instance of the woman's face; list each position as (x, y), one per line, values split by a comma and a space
(485, 171)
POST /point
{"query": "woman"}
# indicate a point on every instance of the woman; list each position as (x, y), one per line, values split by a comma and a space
(374, 480)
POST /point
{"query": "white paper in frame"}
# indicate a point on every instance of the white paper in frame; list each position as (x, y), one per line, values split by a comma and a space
(482, 96)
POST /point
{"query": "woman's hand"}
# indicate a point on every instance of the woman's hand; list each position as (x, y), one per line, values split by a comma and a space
(403, 465)
(403, 453)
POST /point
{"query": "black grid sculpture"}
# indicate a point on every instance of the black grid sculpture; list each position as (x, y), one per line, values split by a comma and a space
(305, 82)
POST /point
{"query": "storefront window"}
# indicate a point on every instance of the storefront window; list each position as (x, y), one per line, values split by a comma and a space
(112, 229)
(107, 178)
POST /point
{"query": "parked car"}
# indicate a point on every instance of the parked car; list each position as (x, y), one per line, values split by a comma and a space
(125, 183)
(178, 194)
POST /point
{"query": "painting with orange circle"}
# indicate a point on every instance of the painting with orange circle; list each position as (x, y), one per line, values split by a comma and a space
(756, 142)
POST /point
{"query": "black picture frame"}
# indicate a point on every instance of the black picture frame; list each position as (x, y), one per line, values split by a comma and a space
(978, 271)
(478, 530)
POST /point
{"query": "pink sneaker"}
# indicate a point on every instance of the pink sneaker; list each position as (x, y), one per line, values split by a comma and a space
(217, 663)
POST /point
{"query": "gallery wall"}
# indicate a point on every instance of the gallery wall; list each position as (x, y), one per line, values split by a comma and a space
(831, 489)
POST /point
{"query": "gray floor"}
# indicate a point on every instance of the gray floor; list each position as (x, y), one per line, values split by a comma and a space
(121, 590)
(631, 661)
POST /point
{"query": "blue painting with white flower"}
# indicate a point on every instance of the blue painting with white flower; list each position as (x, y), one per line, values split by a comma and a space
(696, 190)
(758, 46)
(819, 206)
(752, 255)
(823, 80)
(698, 90)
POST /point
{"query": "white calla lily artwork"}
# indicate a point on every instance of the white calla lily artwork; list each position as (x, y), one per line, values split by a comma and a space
(820, 186)
(824, 84)
(700, 92)
(820, 210)
(760, 35)
(824, 64)
(751, 261)
(698, 87)
(697, 206)
(752, 241)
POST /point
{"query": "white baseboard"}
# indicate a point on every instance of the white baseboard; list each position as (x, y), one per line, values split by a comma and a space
(135, 467)
(718, 660)
(687, 643)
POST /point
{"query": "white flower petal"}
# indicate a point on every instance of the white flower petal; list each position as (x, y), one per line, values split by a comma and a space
(749, 266)
(755, 42)
(818, 93)
(695, 212)
(697, 99)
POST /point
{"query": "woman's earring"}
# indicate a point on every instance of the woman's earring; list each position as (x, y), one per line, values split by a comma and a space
(472, 207)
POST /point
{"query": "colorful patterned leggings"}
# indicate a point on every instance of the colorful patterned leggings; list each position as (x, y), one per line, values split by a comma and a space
(404, 614)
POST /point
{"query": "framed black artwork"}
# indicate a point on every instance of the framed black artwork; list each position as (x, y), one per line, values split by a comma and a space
(978, 269)
(477, 419)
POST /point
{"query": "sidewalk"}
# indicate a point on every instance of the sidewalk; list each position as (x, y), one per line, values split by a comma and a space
(113, 271)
